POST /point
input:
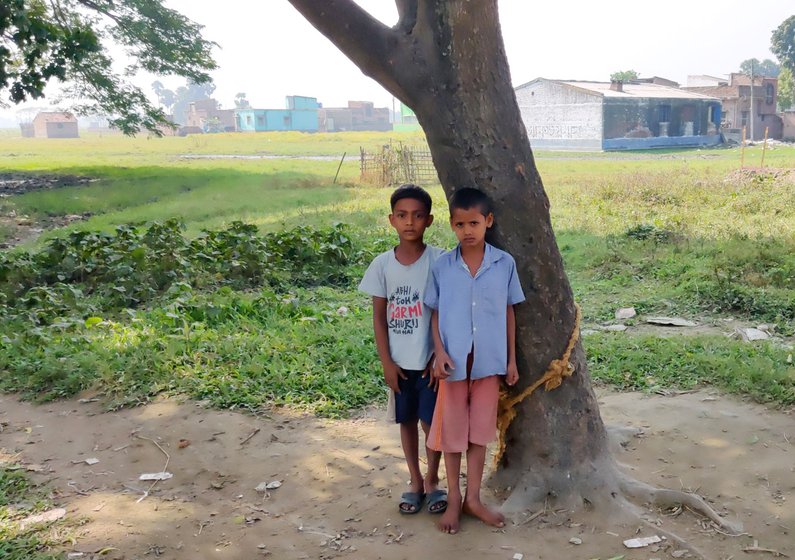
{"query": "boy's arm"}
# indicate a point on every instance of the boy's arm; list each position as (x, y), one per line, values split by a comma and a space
(391, 370)
(512, 372)
(443, 361)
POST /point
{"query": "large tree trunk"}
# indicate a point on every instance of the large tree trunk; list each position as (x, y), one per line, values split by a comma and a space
(445, 59)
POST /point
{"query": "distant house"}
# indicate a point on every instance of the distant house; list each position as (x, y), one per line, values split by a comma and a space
(656, 80)
(206, 116)
(55, 124)
(301, 114)
(579, 115)
(408, 120)
(358, 115)
(735, 96)
(788, 119)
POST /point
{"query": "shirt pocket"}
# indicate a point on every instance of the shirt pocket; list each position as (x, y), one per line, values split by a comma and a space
(492, 293)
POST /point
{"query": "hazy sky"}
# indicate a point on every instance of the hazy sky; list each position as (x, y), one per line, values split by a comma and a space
(268, 51)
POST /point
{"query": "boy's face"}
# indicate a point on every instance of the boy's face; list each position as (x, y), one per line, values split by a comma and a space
(410, 219)
(470, 226)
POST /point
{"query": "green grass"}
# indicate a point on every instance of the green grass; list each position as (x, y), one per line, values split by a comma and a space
(763, 372)
(233, 349)
(751, 278)
(678, 231)
(19, 498)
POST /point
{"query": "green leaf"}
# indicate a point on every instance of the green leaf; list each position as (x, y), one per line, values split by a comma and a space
(93, 321)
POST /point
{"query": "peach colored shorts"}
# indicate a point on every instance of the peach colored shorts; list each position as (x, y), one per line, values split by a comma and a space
(466, 412)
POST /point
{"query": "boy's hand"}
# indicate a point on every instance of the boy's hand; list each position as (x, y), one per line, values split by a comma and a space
(428, 372)
(442, 365)
(512, 374)
(392, 373)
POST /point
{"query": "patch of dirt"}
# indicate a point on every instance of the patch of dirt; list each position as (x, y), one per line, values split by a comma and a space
(21, 183)
(759, 174)
(729, 327)
(21, 229)
(340, 481)
(17, 229)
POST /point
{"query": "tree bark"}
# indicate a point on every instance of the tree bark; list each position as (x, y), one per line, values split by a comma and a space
(447, 61)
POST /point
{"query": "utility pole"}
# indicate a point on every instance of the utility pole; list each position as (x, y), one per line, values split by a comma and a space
(752, 111)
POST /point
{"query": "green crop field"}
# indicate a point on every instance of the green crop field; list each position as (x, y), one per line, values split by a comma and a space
(233, 279)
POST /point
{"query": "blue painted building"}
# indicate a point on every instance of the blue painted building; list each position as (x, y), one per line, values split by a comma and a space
(300, 115)
(574, 115)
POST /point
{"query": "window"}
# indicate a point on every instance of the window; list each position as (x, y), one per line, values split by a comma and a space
(769, 92)
(714, 114)
(260, 119)
(288, 121)
(744, 118)
(665, 113)
(248, 120)
(60, 125)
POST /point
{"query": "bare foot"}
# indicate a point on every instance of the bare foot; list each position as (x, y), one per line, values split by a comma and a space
(450, 520)
(430, 483)
(475, 508)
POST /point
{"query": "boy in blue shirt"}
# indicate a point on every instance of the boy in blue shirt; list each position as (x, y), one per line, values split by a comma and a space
(472, 291)
(396, 279)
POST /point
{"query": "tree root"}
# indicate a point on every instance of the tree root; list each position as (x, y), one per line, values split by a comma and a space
(610, 494)
(665, 498)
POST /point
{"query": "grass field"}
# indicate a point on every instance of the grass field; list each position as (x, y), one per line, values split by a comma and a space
(235, 283)
(674, 232)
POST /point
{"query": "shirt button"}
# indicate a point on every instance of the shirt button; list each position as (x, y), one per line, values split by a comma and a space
(473, 304)
(474, 329)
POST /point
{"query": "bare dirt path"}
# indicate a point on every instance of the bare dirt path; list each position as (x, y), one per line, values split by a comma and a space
(340, 479)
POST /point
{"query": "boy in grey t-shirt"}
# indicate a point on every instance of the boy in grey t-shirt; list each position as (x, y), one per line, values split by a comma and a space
(396, 280)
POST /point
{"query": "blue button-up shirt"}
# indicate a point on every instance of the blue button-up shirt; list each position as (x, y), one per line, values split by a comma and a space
(473, 309)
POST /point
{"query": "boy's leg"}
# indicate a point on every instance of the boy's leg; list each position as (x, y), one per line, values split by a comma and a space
(409, 439)
(437, 500)
(484, 395)
(449, 434)
(432, 475)
(406, 416)
(476, 459)
(451, 518)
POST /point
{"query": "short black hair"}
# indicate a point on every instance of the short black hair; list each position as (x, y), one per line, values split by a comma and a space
(411, 191)
(469, 197)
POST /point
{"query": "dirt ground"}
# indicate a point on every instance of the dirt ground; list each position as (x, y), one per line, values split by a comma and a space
(340, 480)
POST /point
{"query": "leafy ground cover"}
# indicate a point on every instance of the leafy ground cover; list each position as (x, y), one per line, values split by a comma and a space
(229, 280)
(233, 281)
(21, 498)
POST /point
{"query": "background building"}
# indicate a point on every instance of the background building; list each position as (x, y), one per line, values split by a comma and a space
(408, 120)
(301, 114)
(735, 98)
(562, 114)
(205, 115)
(54, 124)
(358, 115)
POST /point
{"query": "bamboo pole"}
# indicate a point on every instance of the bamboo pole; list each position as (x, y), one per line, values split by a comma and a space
(742, 151)
(764, 147)
(339, 167)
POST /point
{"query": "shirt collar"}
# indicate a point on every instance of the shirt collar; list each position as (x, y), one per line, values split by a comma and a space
(490, 256)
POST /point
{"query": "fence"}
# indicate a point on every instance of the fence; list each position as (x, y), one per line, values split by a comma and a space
(395, 164)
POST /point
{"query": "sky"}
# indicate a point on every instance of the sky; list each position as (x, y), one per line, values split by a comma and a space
(268, 51)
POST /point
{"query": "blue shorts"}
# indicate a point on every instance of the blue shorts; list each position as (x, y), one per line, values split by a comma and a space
(416, 399)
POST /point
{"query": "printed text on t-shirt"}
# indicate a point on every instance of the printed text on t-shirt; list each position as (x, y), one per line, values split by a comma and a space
(404, 310)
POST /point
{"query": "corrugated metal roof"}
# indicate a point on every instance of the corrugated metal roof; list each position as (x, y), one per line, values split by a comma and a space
(56, 116)
(635, 90)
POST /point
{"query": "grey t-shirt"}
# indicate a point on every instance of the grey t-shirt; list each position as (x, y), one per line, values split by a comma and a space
(408, 318)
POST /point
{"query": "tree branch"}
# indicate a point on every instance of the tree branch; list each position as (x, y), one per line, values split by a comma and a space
(371, 45)
(99, 9)
(407, 15)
